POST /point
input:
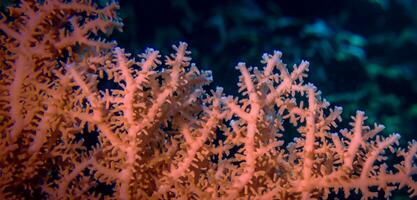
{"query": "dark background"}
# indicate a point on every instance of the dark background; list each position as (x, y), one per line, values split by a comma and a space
(362, 53)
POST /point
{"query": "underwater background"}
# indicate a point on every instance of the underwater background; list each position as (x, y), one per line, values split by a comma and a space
(362, 53)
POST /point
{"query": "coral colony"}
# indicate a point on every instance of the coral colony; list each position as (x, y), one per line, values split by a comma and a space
(82, 119)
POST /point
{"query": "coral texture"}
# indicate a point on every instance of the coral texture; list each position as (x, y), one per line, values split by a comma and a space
(82, 119)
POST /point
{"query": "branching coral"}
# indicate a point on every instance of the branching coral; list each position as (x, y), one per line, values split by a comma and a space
(37, 138)
(316, 162)
(157, 133)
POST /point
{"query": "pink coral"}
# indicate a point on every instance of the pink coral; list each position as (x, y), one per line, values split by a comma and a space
(159, 134)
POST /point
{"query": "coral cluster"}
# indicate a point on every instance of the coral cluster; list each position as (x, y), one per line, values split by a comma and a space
(79, 114)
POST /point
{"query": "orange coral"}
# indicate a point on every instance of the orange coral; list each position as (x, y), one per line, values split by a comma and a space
(37, 138)
(157, 133)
